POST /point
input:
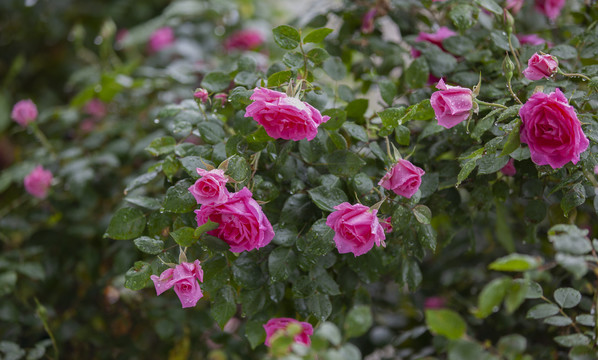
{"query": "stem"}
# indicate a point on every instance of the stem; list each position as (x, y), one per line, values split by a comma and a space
(490, 104)
(42, 138)
(564, 314)
(514, 54)
(575, 75)
(41, 313)
(513, 93)
(304, 60)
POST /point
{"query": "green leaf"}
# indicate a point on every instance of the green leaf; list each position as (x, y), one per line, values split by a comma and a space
(569, 239)
(247, 272)
(466, 169)
(255, 333)
(8, 280)
(330, 332)
(178, 198)
(417, 73)
(515, 262)
(223, 305)
(558, 321)
(317, 35)
(490, 163)
(293, 60)
(567, 297)
(410, 273)
(465, 349)
(335, 68)
(573, 198)
(344, 163)
(126, 224)
(216, 81)
(446, 323)
(358, 321)
(511, 345)
(576, 265)
(252, 301)
(427, 236)
(491, 6)
(238, 168)
(391, 117)
(317, 55)
(534, 291)
(279, 78)
(513, 140)
(492, 295)
(564, 52)
(440, 63)
(388, 90)
(287, 37)
(138, 276)
(463, 17)
(542, 311)
(516, 294)
(319, 239)
(184, 236)
(586, 320)
(356, 131)
(208, 226)
(281, 262)
(161, 146)
(402, 135)
(246, 78)
(211, 132)
(337, 118)
(319, 306)
(572, 340)
(326, 198)
(148, 245)
(423, 214)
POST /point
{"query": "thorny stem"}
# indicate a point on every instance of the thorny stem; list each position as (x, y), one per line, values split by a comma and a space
(304, 59)
(490, 104)
(512, 92)
(575, 75)
(514, 55)
(47, 327)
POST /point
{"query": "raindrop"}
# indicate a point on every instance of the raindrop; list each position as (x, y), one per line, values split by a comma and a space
(98, 88)
(219, 30)
(156, 121)
(98, 40)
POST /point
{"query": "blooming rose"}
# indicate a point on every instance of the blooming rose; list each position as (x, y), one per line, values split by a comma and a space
(210, 188)
(284, 117)
(509, 168)
(540, 66)
(242, 223)
(184, 279)
(281, 324)
(24, 112)
(404, 178)
(514, 5)
(551, 130)
(356, 228)
(38, 181)
(161, 39)
(244, 40)
(201, 94)
(550, 8)
(531, 39)
(367, 21)
(95, 108)
(452, 104)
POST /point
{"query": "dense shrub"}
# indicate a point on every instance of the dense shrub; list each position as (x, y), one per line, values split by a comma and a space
(389, 179)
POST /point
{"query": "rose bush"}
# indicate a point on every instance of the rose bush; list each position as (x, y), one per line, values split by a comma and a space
(483, 260)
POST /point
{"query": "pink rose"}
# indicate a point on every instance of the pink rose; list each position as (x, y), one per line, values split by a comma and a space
(514, 5)
(244, 40)
(551, 130)
(184, 279)
(356, 228)
(95, 108)
(434, 302)
(284, 117)
(452, 104)
(161, 39)
(24, 112)
(550, 8)
(276, 325)
(38, 181)
(386, 224)
(509, 168)
(367, 21)
(531, 39)
(242, 223)
(436, 38)
(222, 98)
(201, 94)
(404, 178)
(540, 66)
(210, 188)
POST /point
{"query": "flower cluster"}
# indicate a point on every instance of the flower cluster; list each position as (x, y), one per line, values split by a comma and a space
(277, 326)
(184, 278)
(242, 223)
